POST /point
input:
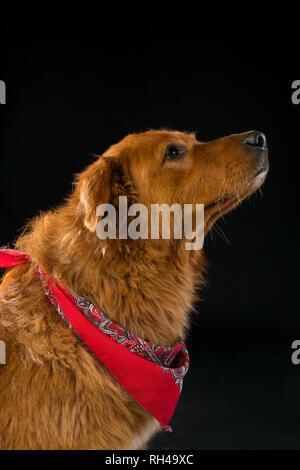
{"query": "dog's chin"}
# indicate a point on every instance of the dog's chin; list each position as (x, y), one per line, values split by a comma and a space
(227, 203)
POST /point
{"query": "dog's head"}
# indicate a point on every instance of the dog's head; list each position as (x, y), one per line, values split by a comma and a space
(157, 167)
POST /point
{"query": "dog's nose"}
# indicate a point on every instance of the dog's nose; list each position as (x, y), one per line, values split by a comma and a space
(256, 139)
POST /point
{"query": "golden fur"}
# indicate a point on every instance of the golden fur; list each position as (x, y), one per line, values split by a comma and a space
(53, 393)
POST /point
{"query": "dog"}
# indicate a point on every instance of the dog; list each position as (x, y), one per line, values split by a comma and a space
(54, 393)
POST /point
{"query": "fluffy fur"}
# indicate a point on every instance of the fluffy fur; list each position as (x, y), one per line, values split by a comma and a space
(54, 394)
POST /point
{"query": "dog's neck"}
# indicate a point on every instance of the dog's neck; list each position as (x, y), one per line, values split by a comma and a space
(147, 286)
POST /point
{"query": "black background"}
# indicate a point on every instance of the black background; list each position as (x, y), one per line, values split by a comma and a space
(78, 82)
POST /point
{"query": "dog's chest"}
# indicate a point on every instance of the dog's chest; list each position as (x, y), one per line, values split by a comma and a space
(138, 441)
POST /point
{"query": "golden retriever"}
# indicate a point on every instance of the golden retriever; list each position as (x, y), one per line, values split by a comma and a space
(54, 393)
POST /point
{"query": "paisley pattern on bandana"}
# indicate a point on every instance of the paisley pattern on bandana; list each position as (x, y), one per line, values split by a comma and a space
(165, 357)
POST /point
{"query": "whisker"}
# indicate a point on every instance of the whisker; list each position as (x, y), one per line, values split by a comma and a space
(221, 233)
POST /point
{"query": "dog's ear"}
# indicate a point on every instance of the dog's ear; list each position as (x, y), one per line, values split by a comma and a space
(94, 187)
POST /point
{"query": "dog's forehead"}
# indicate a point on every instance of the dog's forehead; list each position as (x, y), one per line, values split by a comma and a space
(153, 140)
(154, 137)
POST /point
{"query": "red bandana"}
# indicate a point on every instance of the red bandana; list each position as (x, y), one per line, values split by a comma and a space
(152, 375)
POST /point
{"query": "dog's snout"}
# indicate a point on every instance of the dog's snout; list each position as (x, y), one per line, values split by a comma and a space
(256, 140)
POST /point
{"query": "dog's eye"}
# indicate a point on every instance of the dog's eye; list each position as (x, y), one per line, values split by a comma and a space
(174, 151)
